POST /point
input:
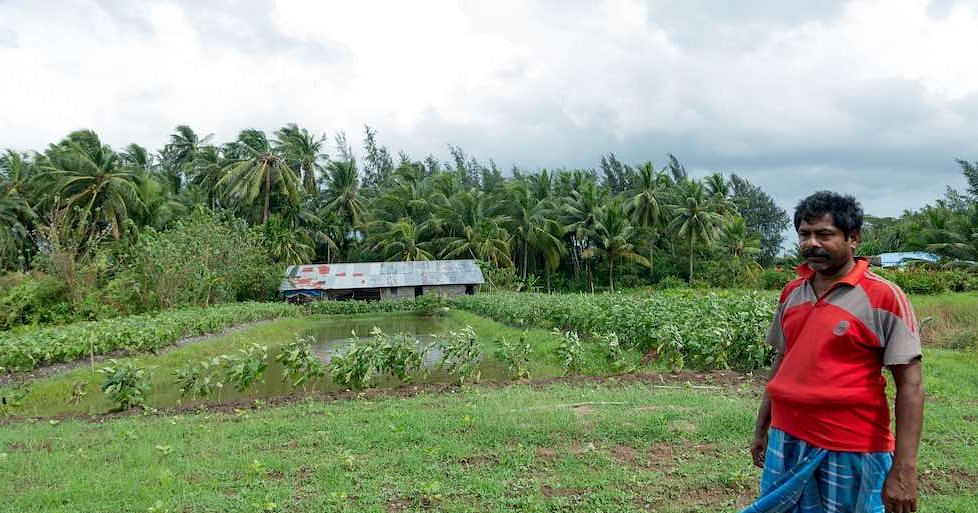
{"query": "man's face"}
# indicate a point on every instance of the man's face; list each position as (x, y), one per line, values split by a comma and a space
(825, 248)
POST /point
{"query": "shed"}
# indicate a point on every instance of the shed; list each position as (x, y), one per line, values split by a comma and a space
(381, 280)
(901, 259)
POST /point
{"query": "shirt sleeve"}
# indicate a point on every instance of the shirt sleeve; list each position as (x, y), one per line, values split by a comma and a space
(775, 334)
(901, 337)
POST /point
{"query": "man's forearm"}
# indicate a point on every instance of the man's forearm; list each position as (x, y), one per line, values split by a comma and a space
(763, 416)
(909, 419)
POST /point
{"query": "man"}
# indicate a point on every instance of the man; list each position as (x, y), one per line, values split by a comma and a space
(823, 430)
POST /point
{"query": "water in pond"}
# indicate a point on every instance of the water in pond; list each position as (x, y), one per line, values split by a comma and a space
(333, 337)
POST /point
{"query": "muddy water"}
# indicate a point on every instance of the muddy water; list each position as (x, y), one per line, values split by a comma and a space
(333, 337)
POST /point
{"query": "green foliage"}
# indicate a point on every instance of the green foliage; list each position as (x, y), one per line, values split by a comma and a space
(125, 384)
(915, 280)
(25, 350)
(671, 282)
(461, 354)
(13, 396)
(34, 299)
(688, 327)
(359, 307)
(198, 379)
(398, 356)
(244, 369)
(516, 355)
(614, 352)
(299, 364)
(775, 279)
(203, 260)
(570, 351)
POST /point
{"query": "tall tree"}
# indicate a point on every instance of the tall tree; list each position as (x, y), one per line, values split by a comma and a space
(614, 238)
(647, 204)
(303, 152)
(343, 192)
(259, 171)
(761, 215)
(377, 162)
(695, 219)
(90, 176)
(178, 155)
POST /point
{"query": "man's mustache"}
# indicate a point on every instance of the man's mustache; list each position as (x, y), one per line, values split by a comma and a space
(815, 252)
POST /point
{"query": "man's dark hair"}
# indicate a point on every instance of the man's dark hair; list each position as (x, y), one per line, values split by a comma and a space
(847, 214)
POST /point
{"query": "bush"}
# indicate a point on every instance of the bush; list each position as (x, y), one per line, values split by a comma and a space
(915, 280)
(34, 299)
(203, 260)
(516, 355)
(461, 353)
(671, 282)
(299, 364)
(776, 279)
(125, 384)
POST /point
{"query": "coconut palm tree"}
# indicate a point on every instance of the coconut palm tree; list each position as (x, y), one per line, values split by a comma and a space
(258, 171)
(303, 152)
(91, 177)
(343, 192)
(535, 228)
(614, 237)
(471, 230)
(402, 240)
(740, 248)
(647, 204)
(16, 215)
(180, 154)
(579, 216)
(694, 218)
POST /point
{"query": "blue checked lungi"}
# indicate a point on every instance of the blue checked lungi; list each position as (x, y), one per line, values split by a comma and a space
(799, 478)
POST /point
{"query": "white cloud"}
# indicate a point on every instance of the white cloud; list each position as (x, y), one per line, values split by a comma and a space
(875, 91)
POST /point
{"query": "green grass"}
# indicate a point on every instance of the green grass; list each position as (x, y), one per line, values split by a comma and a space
(561, 447)
(954, 319)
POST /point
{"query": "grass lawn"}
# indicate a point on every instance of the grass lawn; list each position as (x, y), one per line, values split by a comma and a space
(583, 447)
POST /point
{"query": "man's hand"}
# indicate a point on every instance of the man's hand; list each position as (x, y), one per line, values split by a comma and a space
(758, 448)
(900, 489)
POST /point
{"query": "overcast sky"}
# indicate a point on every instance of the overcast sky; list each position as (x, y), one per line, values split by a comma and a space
(871, 98)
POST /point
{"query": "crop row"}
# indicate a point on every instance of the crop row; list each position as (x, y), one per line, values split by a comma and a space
(24, 350)
(681, 328)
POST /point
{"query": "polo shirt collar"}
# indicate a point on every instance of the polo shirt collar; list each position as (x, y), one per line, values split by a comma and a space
(851, 279)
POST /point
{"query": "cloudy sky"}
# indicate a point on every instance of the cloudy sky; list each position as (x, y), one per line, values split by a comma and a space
(874, 98)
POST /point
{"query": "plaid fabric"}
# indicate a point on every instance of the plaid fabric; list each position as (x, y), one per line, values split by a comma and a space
(800, 478)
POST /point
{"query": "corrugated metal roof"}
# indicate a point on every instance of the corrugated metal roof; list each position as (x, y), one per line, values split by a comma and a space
(902, 258)
(368, 275)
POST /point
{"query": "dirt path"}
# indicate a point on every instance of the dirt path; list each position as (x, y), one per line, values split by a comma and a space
(59, 368)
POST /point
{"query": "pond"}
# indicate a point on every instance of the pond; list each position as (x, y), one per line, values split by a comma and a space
(332, 337)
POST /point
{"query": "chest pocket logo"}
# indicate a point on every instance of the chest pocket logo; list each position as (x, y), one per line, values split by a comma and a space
(840, 329)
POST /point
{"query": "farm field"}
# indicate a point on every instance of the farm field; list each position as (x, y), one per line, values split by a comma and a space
(655, 438)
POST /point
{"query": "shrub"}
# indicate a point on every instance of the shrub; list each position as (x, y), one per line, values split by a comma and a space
(775, 279)
(516, 355)
(570, 351)
(198, 379)
(671, 282)
(299, 364)
(125, 384)
(396, 355)
(34, 299)
(246, 367)
(461, 354)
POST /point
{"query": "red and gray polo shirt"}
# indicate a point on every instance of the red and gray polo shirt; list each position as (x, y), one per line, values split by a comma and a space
(830, 390)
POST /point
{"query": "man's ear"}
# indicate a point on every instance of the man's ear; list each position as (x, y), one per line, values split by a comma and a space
(855, 237)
